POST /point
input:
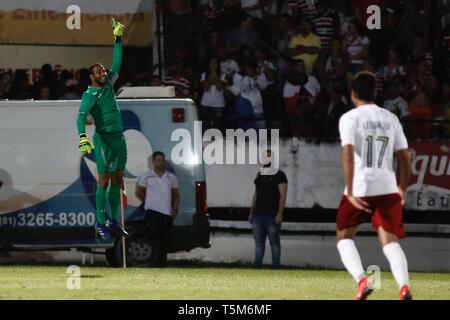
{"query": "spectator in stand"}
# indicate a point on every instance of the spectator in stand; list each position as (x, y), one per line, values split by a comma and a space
(335, 66)
(245, 54)
(180, 26)
(392, 68)
(176, 79)
(213, 84)
(280, 42)
(271, 93)
(245, 35)
(43, 93)
(6, 80)
(357, 47)
(64, 75)
(228, 66)
(47, 78)
(412, 24)
(208, 21)
(395, 103)
(369, 65)
(420, 79)
(229, 18)
(420, 95)
(383, 38)
(299, 94)
(71, 90)
(305, 46)
(20, 88)
(420, 53)
(443, 111)
(207, 47)
(248, 85)
(254, 8)
(264, 64)
(83, 80)
(302, 9)
(445, 52)
(326, 25)
(331, 105)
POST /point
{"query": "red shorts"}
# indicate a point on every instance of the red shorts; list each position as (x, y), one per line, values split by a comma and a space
(387, 212)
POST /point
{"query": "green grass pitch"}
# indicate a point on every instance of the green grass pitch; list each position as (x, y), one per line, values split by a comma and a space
(204, 283)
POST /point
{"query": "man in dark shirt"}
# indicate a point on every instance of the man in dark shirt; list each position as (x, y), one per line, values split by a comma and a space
(229, 18)
(266, 213)
(245, 35)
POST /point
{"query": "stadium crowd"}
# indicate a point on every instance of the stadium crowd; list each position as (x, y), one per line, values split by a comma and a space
(287, 64)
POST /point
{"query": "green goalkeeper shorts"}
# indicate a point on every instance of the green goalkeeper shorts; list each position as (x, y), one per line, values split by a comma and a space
(110, 152)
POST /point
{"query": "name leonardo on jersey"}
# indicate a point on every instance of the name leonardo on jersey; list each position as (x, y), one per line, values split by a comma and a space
(374, 125)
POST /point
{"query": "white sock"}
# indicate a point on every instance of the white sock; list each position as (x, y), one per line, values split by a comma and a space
(351, 259)
(398, 263)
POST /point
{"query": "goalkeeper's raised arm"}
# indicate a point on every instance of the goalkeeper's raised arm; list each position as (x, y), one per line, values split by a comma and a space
(117, 54)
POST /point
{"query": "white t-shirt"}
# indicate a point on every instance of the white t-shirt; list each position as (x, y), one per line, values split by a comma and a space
(397, 106)
(250, 89)
(213, 97)
(229, 67)
(386, 72)
(356, 46)
(258, 13)
(312, 86)
(158, 191)
(376, 135)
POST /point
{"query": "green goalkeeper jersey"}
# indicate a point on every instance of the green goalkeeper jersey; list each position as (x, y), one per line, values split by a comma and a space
(101, 102)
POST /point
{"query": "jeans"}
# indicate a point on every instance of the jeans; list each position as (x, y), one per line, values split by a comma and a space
(264, 226)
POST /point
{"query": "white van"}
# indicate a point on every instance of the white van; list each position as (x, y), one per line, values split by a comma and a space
(47, 201)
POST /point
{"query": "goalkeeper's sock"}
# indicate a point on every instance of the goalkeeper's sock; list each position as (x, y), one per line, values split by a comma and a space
(114, 201)
(100, 198)
(397, 261)
(351, 259)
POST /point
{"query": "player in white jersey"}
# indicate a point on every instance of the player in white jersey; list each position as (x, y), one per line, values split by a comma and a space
(372, 139)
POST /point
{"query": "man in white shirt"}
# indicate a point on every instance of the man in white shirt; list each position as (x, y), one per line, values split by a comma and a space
(159, 189)
(396, 103)
(371, 137)
(249, 85)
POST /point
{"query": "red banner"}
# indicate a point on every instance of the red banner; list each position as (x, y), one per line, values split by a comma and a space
(430, 182)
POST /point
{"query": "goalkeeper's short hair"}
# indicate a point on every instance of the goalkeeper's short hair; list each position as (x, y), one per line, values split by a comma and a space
(92, 67)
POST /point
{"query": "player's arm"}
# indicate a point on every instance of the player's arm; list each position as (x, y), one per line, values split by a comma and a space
(87, 102)
(348, 162)
(403, 160)
(117, 52)
(403, 172)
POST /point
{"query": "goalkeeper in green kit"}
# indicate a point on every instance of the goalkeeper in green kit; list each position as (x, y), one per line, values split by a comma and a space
(109, 143)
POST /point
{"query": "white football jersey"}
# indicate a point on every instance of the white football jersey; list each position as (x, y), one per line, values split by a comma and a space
(376, 135)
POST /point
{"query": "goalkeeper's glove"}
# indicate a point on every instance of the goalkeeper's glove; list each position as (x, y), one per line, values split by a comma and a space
(117, 28)
(86, 146)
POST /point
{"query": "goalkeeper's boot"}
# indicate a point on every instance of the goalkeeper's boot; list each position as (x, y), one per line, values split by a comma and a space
(102, 232)
(364, 289)
(116, 229)
(405, 293)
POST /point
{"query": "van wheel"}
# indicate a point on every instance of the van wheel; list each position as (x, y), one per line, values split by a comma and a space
(138, 249)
